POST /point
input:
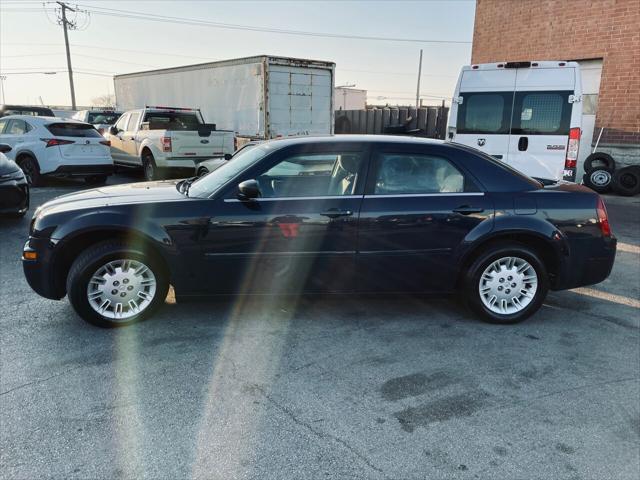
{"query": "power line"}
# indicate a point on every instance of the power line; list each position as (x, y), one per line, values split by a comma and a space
(204, 23)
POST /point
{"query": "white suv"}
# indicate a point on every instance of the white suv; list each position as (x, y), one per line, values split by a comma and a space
(56, 147)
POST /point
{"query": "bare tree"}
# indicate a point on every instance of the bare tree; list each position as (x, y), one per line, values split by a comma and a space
(106, 100)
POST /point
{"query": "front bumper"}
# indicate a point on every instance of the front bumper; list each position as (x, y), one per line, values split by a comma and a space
(14, 196)
(39, 272)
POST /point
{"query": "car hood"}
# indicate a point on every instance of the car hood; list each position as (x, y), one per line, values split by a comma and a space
(132, 193)
(7, 166)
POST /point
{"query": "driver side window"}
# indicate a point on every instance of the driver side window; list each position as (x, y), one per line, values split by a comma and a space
(122, 122)
(312, 175)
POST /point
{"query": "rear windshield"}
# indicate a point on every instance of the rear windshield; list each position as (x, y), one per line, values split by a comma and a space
(103, 118)
(519, 113)
(73, 130)
(172, 121)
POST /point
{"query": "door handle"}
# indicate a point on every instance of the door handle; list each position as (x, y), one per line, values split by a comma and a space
(523, 144)
(335, 213)
(467, 209)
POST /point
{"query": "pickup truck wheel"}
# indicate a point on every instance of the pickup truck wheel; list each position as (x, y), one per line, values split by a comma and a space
(112, 284)
(506, 284)
(151, 171)
(31, 169)
(202, 171)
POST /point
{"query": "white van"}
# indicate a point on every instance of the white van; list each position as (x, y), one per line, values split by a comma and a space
(527, 114)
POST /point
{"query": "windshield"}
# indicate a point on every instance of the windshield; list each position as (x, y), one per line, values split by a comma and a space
(108, 118)
(211, 183)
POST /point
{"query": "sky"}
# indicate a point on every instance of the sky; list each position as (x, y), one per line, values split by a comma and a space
(110, 41)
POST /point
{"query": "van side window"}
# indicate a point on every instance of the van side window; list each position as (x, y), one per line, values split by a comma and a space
(485, 112)
(541, 113)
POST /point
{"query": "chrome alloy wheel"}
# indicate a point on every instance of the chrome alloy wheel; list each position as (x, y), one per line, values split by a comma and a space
(121, 289)
(508, 285)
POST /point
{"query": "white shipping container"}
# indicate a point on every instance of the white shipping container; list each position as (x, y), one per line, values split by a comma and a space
(257, 97)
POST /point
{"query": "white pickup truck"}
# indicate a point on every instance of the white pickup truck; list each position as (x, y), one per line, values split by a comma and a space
(166, 141)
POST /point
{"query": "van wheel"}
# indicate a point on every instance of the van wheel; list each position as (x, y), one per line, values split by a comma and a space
(626, 181)
(506, 284)
(31, 169)
(112, 284)
(598, 180)
(599, 161)
(149, 167)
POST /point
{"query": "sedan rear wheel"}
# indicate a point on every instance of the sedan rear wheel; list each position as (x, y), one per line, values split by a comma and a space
(112, 284)
(506, 283)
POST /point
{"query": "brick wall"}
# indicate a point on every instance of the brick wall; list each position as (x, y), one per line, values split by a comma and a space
(511, 30)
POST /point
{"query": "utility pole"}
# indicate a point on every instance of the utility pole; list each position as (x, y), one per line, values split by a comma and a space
(66, 23)
(419, 75)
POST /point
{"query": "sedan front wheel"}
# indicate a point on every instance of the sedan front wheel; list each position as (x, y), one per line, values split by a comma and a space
(112, 284)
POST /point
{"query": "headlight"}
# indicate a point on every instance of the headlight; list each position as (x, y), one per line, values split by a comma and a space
(15, 175)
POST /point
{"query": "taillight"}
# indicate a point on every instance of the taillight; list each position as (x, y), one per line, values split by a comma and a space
(571, 160)
(166, 144)
(52, 142)
(603, 218)
(105, 142)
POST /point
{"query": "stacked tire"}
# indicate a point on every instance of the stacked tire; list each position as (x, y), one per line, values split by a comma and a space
(599, 169)
(601, 175)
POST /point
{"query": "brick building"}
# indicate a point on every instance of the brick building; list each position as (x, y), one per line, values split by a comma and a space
(603, 35)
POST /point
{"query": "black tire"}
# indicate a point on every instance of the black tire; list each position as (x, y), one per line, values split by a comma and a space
(31, 169)
(150, 170)
(96, 180)
(599, 160)
(626, 181)
(598, 180)
(471, 285)
(88, 263)
(202, 171)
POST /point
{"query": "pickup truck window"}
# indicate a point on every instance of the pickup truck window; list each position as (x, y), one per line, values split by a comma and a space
(103, 117)
(133, 122)
(172, 121)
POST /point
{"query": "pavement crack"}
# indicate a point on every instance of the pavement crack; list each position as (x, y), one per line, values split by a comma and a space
(42, 380)
(315, 431)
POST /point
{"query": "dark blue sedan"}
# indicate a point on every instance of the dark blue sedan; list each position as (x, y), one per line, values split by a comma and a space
(348, 214)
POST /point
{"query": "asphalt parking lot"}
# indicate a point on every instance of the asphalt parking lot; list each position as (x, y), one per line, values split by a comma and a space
(342, 387)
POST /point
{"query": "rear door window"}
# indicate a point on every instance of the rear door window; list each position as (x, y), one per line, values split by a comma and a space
(485, 112)
(541, 113)
(415, 174)
(17, 127)
(73, 130)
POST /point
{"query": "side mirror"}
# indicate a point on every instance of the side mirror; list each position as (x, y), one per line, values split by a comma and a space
(227, 156)
(4, 148)
(248, 190)
(113, 130)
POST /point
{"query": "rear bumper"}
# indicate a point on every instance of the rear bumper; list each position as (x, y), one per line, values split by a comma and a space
(587, 265)
(82, 170)
(39, 273)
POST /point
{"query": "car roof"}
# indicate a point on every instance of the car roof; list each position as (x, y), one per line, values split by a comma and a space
(301, 140)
